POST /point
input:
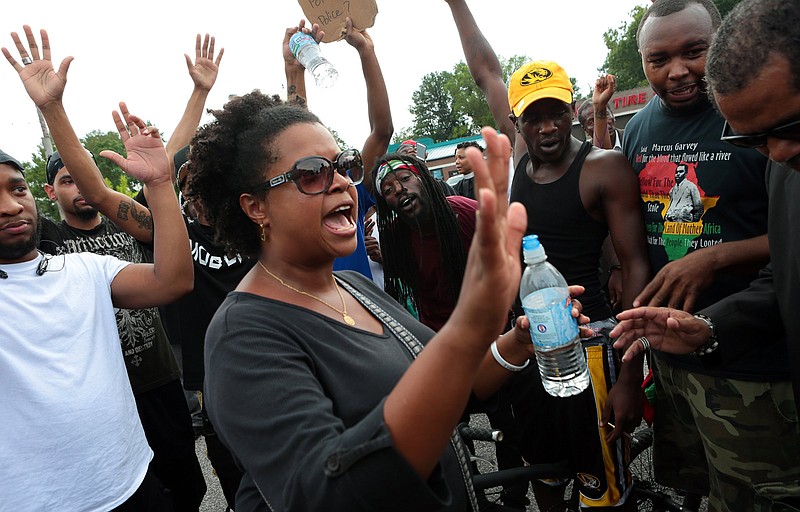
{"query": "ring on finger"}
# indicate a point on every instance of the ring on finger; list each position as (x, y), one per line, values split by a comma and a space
(27, 60)
(645, 343)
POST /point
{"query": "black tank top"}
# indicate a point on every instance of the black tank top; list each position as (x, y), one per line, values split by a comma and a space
(572, 239)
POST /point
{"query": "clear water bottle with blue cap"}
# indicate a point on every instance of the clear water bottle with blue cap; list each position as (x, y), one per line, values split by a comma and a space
(306, 50)
(554, 331)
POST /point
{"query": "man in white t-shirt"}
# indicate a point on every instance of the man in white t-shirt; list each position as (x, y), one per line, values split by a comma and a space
(73, 439)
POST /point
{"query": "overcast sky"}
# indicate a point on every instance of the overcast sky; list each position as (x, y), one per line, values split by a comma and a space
(133, 52)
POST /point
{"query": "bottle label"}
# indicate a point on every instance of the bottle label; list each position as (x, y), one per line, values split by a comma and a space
(549, 311)
(299, 40)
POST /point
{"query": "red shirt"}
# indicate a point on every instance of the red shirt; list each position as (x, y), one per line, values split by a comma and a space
(434, 301)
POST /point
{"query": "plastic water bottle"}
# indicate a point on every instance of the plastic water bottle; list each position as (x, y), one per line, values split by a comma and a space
(306, 50)
(554, 331)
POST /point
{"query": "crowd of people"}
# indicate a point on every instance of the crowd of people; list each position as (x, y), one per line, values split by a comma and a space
(322, 386)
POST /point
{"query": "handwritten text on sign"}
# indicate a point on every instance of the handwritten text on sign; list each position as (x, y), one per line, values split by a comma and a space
(330, 15)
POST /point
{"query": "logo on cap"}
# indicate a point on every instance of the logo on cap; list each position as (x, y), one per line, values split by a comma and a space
(535, 75)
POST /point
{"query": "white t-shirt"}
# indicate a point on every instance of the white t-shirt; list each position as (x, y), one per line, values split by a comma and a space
(72, 439)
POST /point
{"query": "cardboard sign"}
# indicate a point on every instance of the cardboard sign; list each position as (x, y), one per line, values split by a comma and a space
(330, 15)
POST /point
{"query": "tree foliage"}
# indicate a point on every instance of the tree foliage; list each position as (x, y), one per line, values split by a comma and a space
(95, 141)
(623, 58)
(448, 104)
(434, 109)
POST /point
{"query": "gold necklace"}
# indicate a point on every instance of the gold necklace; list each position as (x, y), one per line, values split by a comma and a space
(347, 318)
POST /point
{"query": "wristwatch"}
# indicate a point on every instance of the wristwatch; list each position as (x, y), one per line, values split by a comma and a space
(712, 343)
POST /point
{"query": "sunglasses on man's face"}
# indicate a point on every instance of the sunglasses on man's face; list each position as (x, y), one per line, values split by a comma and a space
(788, 131)
(314, 174)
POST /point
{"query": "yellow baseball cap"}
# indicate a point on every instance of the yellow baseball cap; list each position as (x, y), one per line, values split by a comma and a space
(535, 81)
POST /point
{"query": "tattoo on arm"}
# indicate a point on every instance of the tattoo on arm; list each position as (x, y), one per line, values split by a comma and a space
(122, 211)
(293, 97)
(143, 217)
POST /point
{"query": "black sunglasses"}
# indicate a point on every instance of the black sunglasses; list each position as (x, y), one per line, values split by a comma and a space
(788, 131)
(314, 174)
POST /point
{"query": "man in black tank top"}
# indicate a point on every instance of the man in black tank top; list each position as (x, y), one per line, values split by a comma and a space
(576, 196)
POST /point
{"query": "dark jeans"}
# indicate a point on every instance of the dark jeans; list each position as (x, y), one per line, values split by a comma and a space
(168, 427)
(230, 476)
(150, 496)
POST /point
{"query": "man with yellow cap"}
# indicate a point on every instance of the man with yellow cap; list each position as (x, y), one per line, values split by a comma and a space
(575, 195)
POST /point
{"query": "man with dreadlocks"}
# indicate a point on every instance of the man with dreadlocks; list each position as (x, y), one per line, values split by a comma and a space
(424, 236)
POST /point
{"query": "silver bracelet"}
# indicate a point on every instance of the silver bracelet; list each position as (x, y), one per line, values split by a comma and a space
(505, 364)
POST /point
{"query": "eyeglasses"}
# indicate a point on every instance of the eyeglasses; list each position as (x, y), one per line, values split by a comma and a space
(788, 131)
(314, 174)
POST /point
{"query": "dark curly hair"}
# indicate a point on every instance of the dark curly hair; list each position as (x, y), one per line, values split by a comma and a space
(469, 144)
(230, 156)
(400, 272)
(749, 34)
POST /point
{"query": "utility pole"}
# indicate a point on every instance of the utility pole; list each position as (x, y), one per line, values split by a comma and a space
(47, 142)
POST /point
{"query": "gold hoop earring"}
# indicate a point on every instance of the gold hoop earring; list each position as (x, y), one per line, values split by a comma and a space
(263, 235)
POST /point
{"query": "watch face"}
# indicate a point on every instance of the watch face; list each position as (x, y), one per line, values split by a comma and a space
(711, 344)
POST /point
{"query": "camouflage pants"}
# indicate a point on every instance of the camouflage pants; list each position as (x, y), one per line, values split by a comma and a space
(736, 441)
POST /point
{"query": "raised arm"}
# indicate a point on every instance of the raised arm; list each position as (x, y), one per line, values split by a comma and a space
(380, 115)
(604, 88)
(45, 87)
(483, 66)
(203, 72)
(171, 274)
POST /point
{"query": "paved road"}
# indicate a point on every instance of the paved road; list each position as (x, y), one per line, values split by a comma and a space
(214, 500)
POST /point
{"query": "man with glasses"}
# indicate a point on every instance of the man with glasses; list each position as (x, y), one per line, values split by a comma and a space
(760, 36)
(712, 411)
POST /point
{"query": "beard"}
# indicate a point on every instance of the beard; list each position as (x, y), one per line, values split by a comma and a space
(17, 251)
(86, 212)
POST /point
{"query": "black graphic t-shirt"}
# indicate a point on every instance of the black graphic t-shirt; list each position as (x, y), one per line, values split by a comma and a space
(697, 191)
(145, 347)
(186, 319)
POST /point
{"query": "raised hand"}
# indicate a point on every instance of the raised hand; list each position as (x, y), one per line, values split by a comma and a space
(604, 88)
(42, 83)
(666, 329)
(204, 69)
(493, 264)
(315, 32)
(358, 39)
(147, 159)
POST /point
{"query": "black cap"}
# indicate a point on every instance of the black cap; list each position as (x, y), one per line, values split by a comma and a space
(54, 164)
(5, 158)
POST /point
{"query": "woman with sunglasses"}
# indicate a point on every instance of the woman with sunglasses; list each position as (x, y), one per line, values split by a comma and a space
(317, 381)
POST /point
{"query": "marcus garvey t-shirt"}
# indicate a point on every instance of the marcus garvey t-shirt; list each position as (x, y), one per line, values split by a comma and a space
(697, 191)
(145, 347)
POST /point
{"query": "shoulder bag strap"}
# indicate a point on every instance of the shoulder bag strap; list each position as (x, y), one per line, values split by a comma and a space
(414, 347)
